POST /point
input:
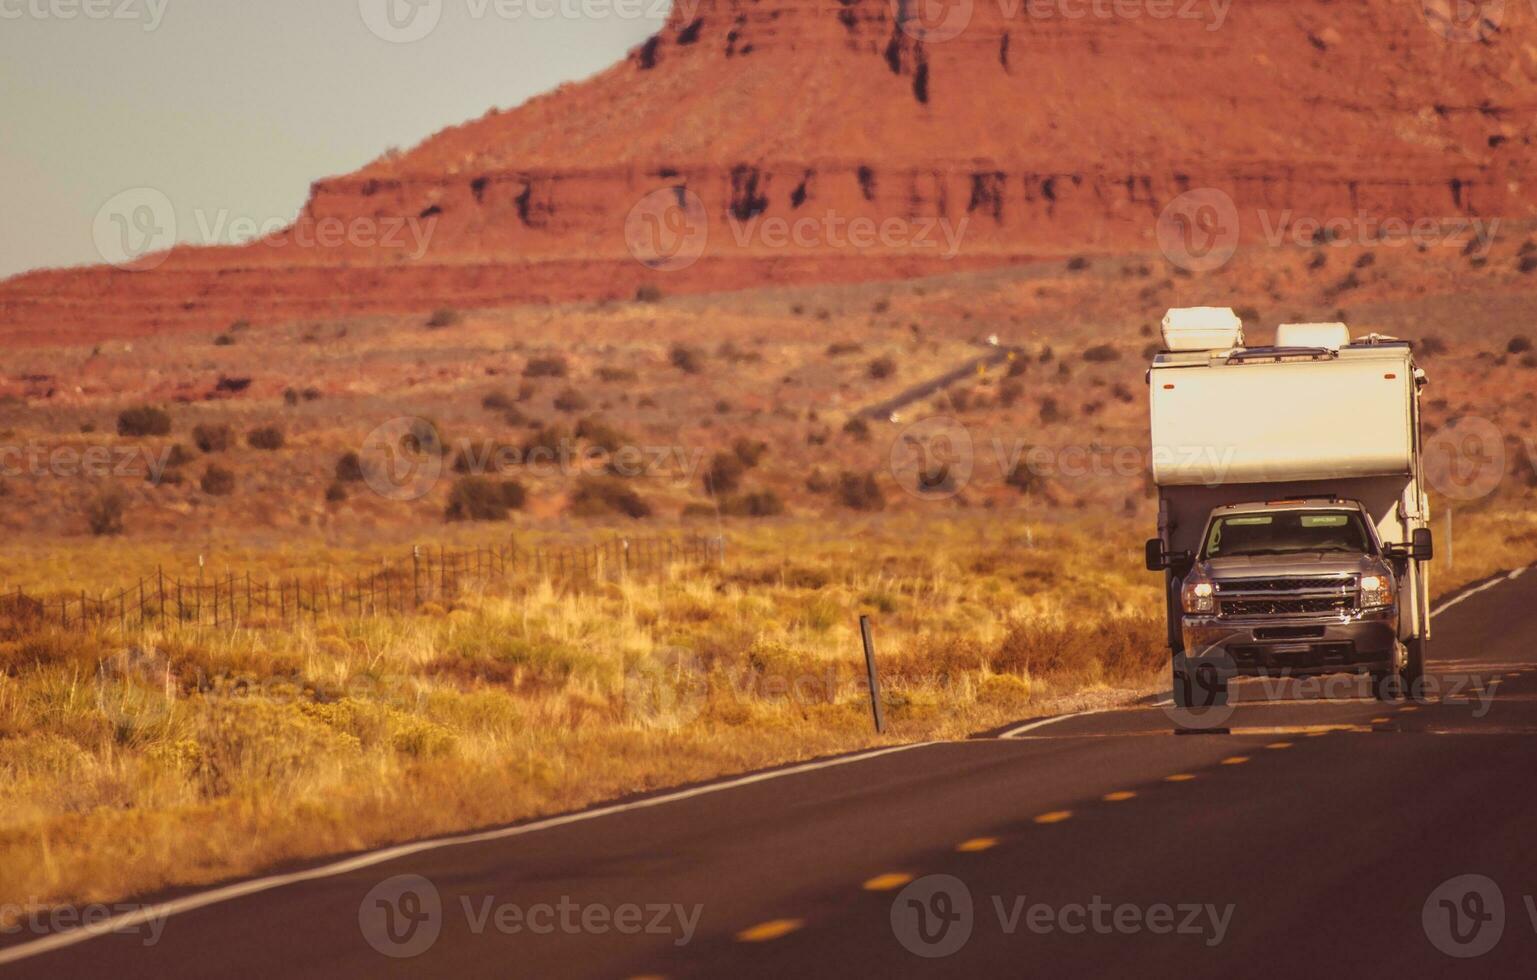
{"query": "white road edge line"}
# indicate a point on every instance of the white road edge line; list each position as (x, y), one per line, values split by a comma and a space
(189, 903)
(1032, 726)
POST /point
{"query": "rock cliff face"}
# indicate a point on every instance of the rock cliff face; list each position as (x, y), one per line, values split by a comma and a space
(954, 133)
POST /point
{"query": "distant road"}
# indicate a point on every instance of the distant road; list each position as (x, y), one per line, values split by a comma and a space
(1321, 838)
(918, 392)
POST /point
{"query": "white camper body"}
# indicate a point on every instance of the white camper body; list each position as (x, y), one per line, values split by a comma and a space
(1234, 426)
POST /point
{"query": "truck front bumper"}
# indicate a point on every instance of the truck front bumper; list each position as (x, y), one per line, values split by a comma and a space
(1295, 646)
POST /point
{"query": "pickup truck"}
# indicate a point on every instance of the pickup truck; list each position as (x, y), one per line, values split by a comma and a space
(1293, 524)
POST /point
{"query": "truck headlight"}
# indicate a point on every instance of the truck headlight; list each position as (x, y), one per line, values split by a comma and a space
(1376, 591)
(1198, 595)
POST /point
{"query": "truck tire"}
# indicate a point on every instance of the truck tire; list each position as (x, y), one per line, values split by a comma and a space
(1414, 668)
(1201, 687)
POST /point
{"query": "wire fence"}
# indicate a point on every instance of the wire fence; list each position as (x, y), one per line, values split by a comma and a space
(429, 575)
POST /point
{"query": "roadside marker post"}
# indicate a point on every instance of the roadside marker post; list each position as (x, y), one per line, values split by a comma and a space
(875, 681)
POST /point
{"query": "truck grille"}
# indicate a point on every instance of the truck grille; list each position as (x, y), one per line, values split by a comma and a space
(1293, 584)
(1287, 607)
(1287, 596)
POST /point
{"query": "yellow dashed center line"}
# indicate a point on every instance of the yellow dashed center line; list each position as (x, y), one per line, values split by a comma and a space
(887, 882)
(1055, 816)
(773, 929)
(1381, 721)
(976, 844)
(1118, 796)
(1279, 745)
(1179, 777)
(1409, 707)
(1235, 760)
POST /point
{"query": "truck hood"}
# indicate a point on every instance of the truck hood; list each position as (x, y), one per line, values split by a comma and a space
(1302, 563)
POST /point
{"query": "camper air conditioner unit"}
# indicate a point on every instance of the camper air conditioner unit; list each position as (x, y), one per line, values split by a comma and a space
(1328, 336)
(1202, 328)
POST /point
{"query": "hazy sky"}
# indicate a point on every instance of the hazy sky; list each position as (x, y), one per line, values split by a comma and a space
(232, 107)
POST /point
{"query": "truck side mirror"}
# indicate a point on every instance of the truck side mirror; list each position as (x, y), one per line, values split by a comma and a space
(1422, 545)
(1154, 555)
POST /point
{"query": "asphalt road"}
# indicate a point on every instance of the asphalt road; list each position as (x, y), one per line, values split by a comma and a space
(1327, 834)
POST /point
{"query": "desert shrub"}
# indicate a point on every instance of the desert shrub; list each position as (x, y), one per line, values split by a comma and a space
(1519, 344)
(749, 451)
(1432, 346)
(290, 397)
(614, 375)
(1527, 263)
(596, 496)
(178, 456)
(1102, 353)
(1077, 263)
(497, 401)
(571, 400)
(1021, 477)
(224, 340)
(217, 481)
(648, 293)
(336, 493)
(144, 420)
(547, 441)
(1018, 366)
(553, 366)
(724, 474)
(1123, 393)
(599, 433)
(104, 513)
(857, 428)
(232, 386)
(839, 348)
(349, 468)
(310, 394)
(265, 437)
(881, 368)
(1010, 392)
(1051, 411)
(484, 456)
(1367, 259)
(860, 491)
(443, 318)
(480, 498)
(818, 482)
(689, 360)
(761, 503)
(212, 438)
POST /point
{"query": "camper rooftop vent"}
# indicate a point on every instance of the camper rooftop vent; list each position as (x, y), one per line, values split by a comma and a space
(1202, 328)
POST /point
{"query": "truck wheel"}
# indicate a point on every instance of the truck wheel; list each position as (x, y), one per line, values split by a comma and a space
(1414, 668)
(1200, 687)
(1387, 685)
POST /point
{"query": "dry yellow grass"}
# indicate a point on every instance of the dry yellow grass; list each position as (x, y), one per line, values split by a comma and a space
(134, 763)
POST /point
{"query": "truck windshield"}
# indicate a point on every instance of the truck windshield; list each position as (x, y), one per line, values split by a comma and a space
(1286, 532)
